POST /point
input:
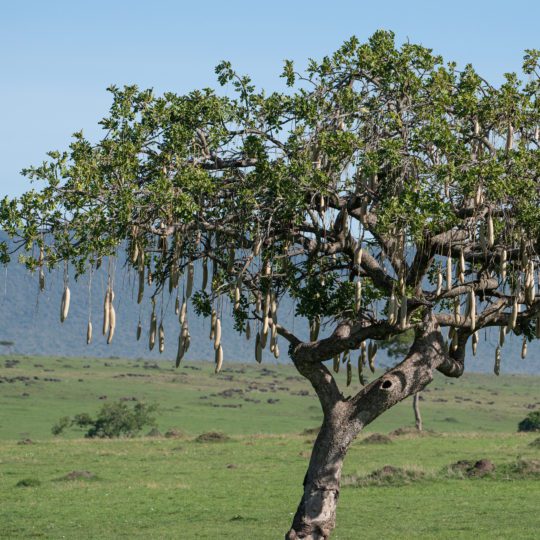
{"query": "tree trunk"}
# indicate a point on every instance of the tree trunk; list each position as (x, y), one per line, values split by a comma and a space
(344, 417)
(315, 517)
(416, 408)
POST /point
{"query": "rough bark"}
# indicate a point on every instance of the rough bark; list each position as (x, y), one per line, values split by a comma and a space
(345, 417)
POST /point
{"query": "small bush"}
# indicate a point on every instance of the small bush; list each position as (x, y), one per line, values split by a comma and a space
(61, 425)
(28, 482)
(113, 420)
(531, 422)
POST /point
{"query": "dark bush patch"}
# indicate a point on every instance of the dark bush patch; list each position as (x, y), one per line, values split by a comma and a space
(212, 436)
(154, 432)
(28, 482)
(531, 422)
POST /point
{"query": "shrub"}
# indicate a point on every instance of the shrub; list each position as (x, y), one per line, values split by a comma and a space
(61, 425)
(113, 420)
(28, 482)
(531, 422)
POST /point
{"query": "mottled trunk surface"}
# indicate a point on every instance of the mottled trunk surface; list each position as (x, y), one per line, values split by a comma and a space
(344, 417)
(315, 517)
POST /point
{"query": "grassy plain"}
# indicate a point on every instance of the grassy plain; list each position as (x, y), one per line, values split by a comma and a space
(249, 486)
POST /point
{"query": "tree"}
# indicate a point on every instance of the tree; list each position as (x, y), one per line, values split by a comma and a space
(386, 192)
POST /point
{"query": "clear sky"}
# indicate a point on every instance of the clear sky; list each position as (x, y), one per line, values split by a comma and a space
(57, 57)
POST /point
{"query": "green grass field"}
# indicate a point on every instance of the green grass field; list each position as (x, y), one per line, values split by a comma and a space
(248, 487)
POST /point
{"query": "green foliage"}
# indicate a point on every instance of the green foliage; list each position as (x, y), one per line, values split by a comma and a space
(60, 426)
(531, 422)
(393, 140)
(113, 420)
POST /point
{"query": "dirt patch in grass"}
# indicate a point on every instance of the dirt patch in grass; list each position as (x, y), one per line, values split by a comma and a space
(472, 469)
(377, 438)
(26, 441)
(386, 476)
(78, 475)
(174, 433)
(411, 432)
(525, 468)
(213, 436)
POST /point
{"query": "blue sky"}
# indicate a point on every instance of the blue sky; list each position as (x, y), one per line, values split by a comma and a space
(57, 57)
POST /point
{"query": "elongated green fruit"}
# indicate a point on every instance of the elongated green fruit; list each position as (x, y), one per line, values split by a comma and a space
(314, 329)
(392, 308)
(514, 314)
(457, 310)
(502, 335)
(403, 312)
(336, 363)
(161, 333)
(448, 273)
(89, 333)
(276, 350)
(139, 330)
(237, 298)
(358, 295)
(106, 310)
(439, 283)
(474, 343)
(358, 253)
(41, 279)
(177, 306)
(66, 298)
(140, 293)
(219, 358)
(497, 366)
(248, 330)
(472, 308)
(205, 273)
(189, 283)
(349, 372)
(258, 348)
(112, 323)
(524, 349)
(153, 328)
(213, 319)
(490, 231)
(180, 351)
(183, 312)
(504, 264)
(217, 337)
(263, 338)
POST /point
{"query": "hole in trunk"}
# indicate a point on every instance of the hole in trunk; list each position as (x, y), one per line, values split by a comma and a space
(386, 384)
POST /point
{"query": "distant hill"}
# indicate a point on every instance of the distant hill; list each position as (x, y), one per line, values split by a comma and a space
(31, 320)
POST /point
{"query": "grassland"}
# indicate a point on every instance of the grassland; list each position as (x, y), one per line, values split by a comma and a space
(248, 486)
